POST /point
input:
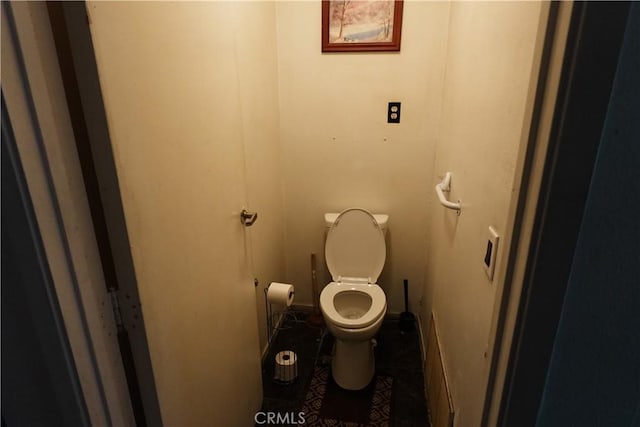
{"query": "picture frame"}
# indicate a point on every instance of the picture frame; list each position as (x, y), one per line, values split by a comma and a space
(361, 25)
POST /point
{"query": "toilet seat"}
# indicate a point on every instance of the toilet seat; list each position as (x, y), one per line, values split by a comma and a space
(355, 248)
(377, 309)
(355, 252)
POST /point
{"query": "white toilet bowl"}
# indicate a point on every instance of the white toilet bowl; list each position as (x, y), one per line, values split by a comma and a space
(353, 314)
(353, 305)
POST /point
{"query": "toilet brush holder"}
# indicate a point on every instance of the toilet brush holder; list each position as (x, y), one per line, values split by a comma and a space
(407, 320)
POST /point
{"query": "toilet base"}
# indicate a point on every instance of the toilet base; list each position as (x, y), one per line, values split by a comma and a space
(353, 364)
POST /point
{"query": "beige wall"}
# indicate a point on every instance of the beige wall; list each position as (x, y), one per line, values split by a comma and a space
(338, 150)
(489, 69)
(208, 115)
(190, 93)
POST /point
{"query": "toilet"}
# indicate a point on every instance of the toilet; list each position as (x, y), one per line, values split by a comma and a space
(353, 305)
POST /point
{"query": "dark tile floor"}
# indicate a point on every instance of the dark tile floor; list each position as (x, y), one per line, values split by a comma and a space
(397, 355)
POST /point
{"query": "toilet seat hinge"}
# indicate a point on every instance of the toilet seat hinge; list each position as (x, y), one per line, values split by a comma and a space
(355, 280)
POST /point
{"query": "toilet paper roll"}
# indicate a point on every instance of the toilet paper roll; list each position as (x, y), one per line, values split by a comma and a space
(286, 368)
(280, 293)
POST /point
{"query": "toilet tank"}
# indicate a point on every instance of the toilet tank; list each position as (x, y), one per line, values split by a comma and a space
(382, 219)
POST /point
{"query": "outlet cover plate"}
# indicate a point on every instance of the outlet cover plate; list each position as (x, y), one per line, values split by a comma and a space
(393, 112)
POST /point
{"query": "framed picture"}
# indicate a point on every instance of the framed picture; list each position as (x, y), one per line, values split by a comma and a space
(361, 25)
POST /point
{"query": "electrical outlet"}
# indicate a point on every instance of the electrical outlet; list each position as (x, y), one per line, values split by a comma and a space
(489, 263)
(393, 112)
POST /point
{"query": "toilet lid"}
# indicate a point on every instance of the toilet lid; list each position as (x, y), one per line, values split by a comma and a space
(355, 246)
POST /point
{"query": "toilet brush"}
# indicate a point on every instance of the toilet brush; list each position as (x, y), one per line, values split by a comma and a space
(407, 322)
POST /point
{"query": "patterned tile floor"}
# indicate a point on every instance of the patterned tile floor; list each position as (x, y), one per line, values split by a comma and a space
(397, 356)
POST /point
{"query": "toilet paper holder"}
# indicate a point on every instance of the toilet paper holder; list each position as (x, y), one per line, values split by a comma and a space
(271, 327)
(248, 218)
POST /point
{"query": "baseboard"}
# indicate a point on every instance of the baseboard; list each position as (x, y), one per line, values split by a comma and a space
(423, 348)
(302, 307)
(309, 308)
(439, 399)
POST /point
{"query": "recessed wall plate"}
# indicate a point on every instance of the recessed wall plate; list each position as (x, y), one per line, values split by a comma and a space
(393, 112)
(491, 251)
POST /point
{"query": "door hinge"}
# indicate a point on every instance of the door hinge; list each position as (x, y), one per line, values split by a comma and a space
(115, 304)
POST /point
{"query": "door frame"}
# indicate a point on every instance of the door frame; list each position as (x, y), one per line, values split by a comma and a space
(36, 112)
(35, 342)
(553, 230)
(74, 52)
(551, 221)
